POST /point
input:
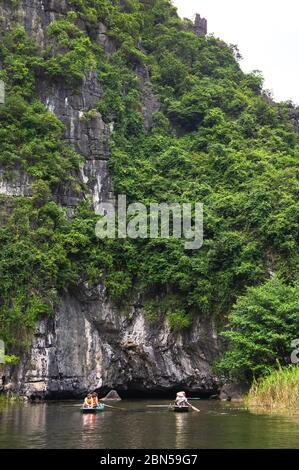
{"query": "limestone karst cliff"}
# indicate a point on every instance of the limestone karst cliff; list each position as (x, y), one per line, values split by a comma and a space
(88, 343)
(108, 97)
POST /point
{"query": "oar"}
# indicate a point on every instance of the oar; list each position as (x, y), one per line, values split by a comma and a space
(114, 407)
(193, 407)
(157, 406)
(109, 406)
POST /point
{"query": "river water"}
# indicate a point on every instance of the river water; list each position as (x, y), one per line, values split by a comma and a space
(219, 425)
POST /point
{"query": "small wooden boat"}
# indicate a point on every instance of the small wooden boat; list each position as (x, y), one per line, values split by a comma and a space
(99, 408)
(178, 409)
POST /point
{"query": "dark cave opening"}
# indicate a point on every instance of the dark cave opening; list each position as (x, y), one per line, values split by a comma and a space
(160, 394)
(132, 392)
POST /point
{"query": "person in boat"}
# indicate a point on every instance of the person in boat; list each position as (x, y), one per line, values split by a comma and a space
(181, 399)
(95, 400)
(88, 402)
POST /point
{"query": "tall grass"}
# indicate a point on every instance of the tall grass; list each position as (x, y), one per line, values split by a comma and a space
(279, 390)
(4, 400)
(9, 400)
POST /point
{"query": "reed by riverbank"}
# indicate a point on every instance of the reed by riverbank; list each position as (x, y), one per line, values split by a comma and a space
(8, 399)
(277, 391)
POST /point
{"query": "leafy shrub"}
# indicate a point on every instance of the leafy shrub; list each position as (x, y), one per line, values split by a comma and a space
(178, 320)
(262, 326)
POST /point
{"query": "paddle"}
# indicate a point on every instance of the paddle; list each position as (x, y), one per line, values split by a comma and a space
(157, 406)
(114, 407)
(109, 406)
(193, 407)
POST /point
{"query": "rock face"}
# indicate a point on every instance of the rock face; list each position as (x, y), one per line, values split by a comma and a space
(89, 344)
(85, 131)
(150, 103)
(84, 128)
(20, 185)
(295, 117)
(233, 391)
(111, 396)
(200, 25)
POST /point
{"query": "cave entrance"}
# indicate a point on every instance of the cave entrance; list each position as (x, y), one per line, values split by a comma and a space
(133, 393)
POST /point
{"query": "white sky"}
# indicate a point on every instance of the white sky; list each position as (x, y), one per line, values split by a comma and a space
(266, 32)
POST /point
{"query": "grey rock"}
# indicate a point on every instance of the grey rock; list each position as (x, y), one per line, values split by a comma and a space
(19, 185)
(214, 397)
(294, 112)
(200, 26)
(233, 391)
(34, 15)
(85, 131)
(111, 396)
(89, 345)
(87, 134)
(150, 102)
(104, 39)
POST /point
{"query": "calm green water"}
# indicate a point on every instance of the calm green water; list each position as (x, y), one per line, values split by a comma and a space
(219, 425)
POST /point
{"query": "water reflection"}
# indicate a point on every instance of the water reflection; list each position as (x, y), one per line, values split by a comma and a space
(218, 425)
(89, 421)
(181, 423)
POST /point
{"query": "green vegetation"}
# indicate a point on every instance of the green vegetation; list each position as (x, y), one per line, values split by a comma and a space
(277, 391)
(6, 400)
(178, 320)
(217, 138)
(74, 55)
(31, 142)
(262, 326)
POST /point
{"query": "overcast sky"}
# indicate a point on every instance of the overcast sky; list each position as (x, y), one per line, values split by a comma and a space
(266, 32)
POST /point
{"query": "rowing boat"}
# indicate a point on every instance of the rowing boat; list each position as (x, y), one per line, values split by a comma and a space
(179, 409)
(97, 409)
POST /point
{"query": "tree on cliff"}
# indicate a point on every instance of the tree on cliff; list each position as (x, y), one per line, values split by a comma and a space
(216, 139)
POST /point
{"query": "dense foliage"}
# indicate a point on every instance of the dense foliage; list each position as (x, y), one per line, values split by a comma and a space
(217, 138)
(263, 324)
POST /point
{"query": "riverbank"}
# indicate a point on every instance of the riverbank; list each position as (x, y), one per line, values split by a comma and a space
(277, 391)
(8, 399)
